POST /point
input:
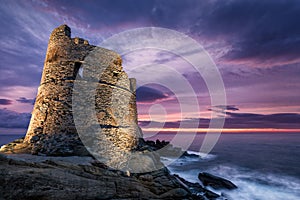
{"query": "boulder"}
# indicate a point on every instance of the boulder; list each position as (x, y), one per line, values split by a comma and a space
(197, 190)
(215, 181)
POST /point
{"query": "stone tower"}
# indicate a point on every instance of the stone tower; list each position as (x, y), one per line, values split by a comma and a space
(52, 130)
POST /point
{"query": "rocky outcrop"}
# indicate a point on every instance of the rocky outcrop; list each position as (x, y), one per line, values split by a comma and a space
(47, 178)
(166, 149)
(197, 190)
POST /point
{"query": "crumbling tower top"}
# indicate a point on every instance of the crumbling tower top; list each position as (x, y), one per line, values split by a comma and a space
(63, 30)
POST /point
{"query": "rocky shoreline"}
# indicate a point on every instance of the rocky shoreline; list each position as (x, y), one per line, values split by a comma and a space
(54, 161)
(26, 176)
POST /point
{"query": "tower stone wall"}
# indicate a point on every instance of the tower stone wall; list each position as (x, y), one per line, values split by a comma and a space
(52, 129)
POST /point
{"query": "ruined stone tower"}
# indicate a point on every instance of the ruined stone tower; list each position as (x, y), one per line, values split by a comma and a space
(52, 130)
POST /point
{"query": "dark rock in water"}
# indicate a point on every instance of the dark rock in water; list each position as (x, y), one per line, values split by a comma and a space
(165, 148)
(215, 181)
(161, 144)
(197, 190)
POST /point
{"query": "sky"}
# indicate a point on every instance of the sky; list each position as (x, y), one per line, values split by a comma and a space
(255, 45)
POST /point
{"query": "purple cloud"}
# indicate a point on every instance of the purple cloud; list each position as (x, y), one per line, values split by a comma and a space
(5, 101)
(147, 94)
(224, 108)
(25, 100)
(239, 120)
(12, 119)
(258, 32)
(252, 120)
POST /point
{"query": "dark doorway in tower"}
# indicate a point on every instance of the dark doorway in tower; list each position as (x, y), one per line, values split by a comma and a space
(77, 70)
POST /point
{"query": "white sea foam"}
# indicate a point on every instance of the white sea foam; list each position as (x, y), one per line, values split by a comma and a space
(251, 185)
(195, 157)
(203, 156)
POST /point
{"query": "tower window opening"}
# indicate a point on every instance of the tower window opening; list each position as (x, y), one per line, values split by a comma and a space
(78, 70)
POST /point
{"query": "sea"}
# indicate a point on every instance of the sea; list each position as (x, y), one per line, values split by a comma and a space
(264, 166)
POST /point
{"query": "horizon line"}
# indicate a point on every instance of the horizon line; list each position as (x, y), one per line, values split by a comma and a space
(223, 130)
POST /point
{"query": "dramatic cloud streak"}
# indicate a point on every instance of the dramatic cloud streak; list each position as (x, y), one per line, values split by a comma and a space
(5, 101)
(147, 94)
(25, 100)
(223, 108)
(257, 32)
(239, 120)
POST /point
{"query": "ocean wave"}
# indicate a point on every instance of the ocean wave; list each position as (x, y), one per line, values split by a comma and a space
(251, 185)
(194, 157)
(203, 156)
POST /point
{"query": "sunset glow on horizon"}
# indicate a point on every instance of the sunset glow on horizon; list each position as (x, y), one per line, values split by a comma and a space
(224, 130)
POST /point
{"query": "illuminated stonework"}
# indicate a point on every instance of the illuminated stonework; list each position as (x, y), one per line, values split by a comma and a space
(52, 130)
